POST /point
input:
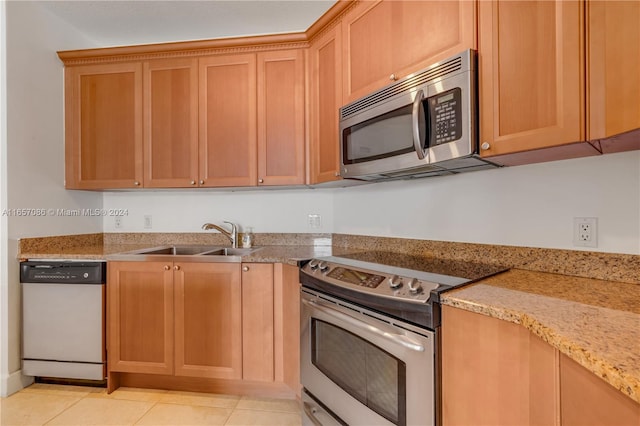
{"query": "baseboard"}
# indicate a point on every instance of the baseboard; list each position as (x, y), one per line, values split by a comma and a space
(14, 382)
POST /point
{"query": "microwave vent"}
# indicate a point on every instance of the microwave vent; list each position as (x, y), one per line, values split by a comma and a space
(415, 80)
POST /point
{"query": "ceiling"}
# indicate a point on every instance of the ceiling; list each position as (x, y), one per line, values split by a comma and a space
(117, 23)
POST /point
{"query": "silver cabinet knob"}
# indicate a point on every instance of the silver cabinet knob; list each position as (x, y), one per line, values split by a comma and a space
(193, 182)
(393, 77)
(176, 268)
(485, 145)
(245, 268)
(201, 182)
(167, 267)
(337, 174)
(136, 183)
(260, 180)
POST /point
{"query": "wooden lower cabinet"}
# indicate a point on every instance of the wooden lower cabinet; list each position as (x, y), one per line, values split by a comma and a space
(208, 320)
(495, 372)
(257, 322)
(498, 373)
(588, 400)
(211, 327)
(140, 317)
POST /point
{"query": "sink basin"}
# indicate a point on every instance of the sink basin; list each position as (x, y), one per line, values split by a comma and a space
(229, 251)
(191, 253)
(176, 250)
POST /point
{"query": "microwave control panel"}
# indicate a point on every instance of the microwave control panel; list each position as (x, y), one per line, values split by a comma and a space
(445, 116)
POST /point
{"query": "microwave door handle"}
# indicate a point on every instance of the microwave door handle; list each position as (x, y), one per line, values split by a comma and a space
(398, 339)
(417, 143)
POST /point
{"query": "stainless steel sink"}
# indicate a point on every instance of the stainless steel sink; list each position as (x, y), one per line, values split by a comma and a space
(229, 251)
(191, 253)
(176, 250)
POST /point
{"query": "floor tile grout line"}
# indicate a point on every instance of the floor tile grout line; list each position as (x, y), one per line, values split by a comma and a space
(145, 413)
(60, 413)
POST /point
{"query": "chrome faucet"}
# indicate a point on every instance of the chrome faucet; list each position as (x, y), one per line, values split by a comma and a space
(232, 236)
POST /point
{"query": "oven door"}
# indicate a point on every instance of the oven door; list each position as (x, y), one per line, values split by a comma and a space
(364, 369)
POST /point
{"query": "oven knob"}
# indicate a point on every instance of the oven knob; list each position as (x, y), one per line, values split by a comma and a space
(313, 265)
(395, 282)
(323, 266)
(414, 286)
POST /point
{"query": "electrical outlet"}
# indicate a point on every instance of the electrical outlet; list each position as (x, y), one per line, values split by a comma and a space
(148, 224)
(585, 231)
(118, 222)
(314, 221)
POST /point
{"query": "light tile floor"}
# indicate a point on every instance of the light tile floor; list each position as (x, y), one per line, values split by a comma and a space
(44, 404)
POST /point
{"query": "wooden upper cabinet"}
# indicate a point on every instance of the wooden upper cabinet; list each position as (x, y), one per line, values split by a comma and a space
(281, 117)
(140, 317)
(531, 80)
(325, 75)
(228, 120)
(388, 40)
(103, 126)
(613, 60)
(170, 123)
(208, 320)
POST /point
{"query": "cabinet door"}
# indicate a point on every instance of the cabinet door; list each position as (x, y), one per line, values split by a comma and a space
(103, 126)
(208, 320)
(140, 317)
(388, 40)
(613, 47)
(171, 123)
(531, 78)
(227, 109)
(281, 115)
(588, 400)
(257, 322)
(495, 372)
(368, 48)
(325, 70)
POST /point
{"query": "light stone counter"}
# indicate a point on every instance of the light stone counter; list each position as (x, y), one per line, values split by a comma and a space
(594, 322)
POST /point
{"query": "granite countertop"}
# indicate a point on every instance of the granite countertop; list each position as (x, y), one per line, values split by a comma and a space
(290, 254)
(594, 322)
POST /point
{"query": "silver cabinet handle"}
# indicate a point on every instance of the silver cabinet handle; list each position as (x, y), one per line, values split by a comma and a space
(395, 338)
(393, 77)
(167, 267)
(193, 182)
(485, 145)
(176, 268)
(245, 268)
(260, 180)
(201, 182)
(415, 115)
(136, 183)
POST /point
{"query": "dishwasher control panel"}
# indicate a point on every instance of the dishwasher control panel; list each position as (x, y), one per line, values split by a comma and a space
(67, 272)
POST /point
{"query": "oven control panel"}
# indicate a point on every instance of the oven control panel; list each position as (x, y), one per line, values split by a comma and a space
(386, 284)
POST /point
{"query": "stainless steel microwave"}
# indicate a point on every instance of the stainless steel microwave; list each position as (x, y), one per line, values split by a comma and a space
(423, 125)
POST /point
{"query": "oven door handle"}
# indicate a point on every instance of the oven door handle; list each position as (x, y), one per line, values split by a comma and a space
(398, 339)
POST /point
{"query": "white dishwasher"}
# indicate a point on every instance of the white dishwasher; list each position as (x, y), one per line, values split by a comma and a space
(63, 319)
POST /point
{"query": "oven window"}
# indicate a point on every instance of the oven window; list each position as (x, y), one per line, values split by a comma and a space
(368, 373)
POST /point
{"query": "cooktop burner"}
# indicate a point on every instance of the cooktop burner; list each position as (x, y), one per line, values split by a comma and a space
(454, 268)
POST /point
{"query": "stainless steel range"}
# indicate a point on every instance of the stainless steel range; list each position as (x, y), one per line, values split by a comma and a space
(369, 336)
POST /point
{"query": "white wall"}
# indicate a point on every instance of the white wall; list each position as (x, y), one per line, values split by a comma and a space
(530, 206)
(34, 159)
(187, 211)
